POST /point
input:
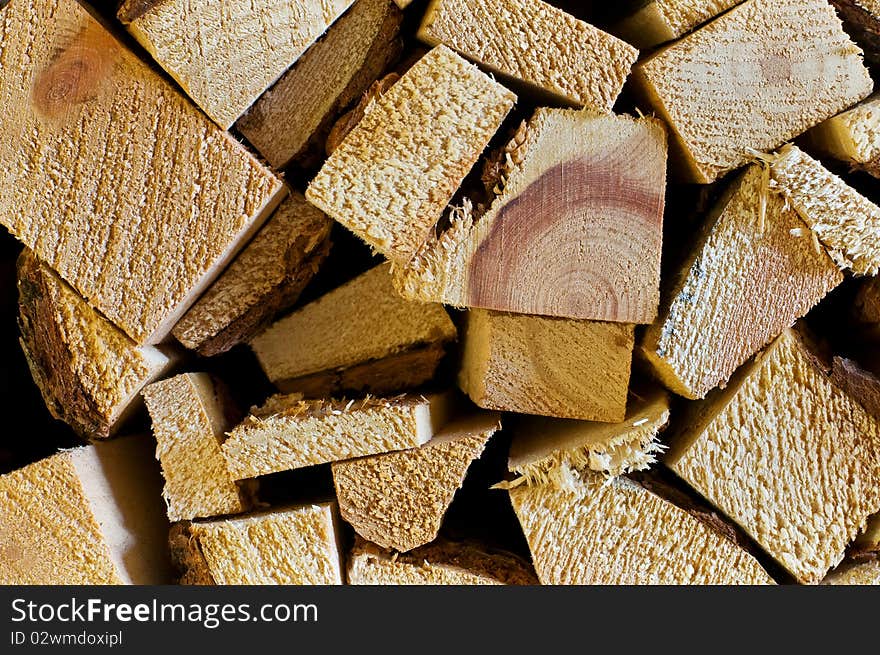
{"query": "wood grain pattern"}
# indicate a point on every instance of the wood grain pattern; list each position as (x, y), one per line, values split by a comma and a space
(111, 177)
(851, 137)
(657, 21)
(757, 76)
(574, 229)
(861, 18)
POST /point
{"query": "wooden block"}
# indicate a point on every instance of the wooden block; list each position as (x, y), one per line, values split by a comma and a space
(748, 278)
(574, 228)
(822, 447)
(225, 55)
(291, 120)
(266, 278)
(120, 184)
(293, 546)
(403, 4)
(547, 366)
(393, 175)
(190, 418)
(288, 433)
(613, 531)
(441, 563)
(398, 500)
(361, 337)
(852, 137)
(658, 21)
(86, 516)
(752, 79)
(869, 540)
(536, 44)
(855, 573)
(89, 372)
(542, 449)
(861, 18)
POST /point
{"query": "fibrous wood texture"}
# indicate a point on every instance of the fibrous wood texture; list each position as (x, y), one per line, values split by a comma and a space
(292, 118)
(535, 43)
(294, 546)
(114, 179)
(265, 278)
(601, 531)
(752, 79)
(226, 54)
(89, 372)
(288, 433)
(852, 137)
(542, 449)
(756, 269)
(658, 21)
(587, 188)
(440, 563)
(189, 422)
(788, 455)
(398, 500)
(547, 366)
(360, 337)
(862, 19)
(855, 573)
(393, 175)
(86, 516)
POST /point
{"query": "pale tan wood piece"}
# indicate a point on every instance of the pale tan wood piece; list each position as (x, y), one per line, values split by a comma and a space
(855, 573)
(783, 411)
(398, 500)
(91, 515)
(542, 448)
(226, 54)
(574, 229)
(613, 531)
(529, 41)
(403, 4)
(658, 21)
(288, 433)
(291, 120)
(113, 178)
(852, 137)
(548, 366)
(440, 563)
(750, 276)
(869, 540)
(752, 79)
(393, 175)
(291, 546)
(89, 372)
(361, 336)
(267, 277)
(190, 418)
(861, 18)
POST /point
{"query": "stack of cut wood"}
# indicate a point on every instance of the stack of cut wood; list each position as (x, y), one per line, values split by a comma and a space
(456, 292)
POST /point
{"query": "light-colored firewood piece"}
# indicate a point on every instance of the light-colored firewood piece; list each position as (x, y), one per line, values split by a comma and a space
(393, 175)
(189, 422)
(574, 230)
(752, 79)
(89, 372)
(86, 516)
(226, 54)
(398, 500)
(529, 41)
(548, 366)
(292, 118)
(360, 337)
(855, 573)
(869, 540)
(403, 4)
(288, 432)
(266, 278)
(115, 180)
(861, 18)
(658, 21)
(613, 531)
(788, 455)
(293, 546)
(440, 563)
(754, 272)
(543, 448)
(852, 137)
